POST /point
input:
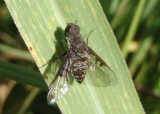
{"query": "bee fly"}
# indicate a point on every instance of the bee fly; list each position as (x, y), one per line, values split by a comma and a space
(79, 60)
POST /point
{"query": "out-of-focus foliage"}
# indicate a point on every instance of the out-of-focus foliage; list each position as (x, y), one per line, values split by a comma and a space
(137, 20)
(143, 51)
(17, 97)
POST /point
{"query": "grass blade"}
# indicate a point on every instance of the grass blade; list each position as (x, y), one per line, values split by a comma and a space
(22, 75)
(133, 27)
(41, 24)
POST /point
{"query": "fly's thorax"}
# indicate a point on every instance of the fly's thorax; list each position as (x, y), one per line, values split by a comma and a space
(74, 40)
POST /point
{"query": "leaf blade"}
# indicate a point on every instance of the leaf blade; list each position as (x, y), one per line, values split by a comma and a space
(41, 21)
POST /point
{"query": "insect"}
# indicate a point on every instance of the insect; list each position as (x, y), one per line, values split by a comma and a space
(79, 60)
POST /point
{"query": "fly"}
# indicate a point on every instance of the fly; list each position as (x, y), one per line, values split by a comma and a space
(79, 60)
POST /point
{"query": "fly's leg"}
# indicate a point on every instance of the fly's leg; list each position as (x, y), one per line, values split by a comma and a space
(53, 60)
(88, 35)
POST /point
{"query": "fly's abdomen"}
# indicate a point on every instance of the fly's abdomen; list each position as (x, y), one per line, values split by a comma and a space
(80, 67)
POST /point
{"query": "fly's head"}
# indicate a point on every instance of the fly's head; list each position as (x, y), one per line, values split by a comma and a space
(72, 30)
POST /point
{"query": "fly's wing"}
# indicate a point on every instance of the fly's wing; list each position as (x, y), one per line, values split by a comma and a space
(61, 82)
(100, 72)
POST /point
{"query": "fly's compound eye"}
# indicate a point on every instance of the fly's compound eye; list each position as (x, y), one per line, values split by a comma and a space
(71, 30)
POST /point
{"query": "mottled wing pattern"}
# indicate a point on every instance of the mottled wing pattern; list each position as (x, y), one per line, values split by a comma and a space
(61, 82)
(100, 72)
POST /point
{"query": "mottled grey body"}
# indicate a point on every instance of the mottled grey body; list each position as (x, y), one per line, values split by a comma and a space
(78, 51)
(79, 58)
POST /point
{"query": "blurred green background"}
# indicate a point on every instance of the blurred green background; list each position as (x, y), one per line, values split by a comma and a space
(136, 25)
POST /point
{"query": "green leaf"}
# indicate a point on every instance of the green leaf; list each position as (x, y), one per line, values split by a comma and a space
(22, 75)
(42, 24)
(133, 27)
(20, 54)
